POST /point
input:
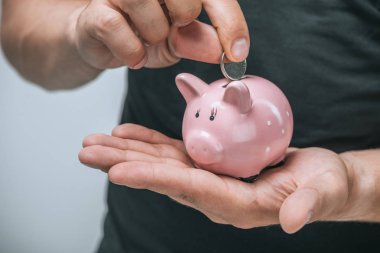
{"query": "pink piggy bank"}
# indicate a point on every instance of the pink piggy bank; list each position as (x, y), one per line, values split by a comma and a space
(235, 128)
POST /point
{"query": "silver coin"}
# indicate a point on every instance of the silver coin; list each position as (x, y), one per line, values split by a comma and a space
(233, 70)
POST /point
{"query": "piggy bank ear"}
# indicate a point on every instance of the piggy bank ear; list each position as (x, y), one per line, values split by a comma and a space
(190, 86)
(237, 94)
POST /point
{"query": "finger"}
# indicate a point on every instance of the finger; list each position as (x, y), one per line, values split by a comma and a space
(141, 133)
(183, 12)
(161, 55)
(200, 188)
(105, 157)
(100, 157)
(315, 201)
(93, 51)
(320, 196)
(298, 209)
(111, 28)
(228, 19)
(196, 41)
(163, 179)
(148, 17)
(157, 150)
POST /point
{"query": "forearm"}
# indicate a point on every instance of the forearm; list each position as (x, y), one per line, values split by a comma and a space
(36, 40)
(364, 173)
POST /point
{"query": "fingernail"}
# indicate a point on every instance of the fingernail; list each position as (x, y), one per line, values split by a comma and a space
(240, 49)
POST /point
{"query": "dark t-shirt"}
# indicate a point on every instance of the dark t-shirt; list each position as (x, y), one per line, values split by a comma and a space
(325, 56)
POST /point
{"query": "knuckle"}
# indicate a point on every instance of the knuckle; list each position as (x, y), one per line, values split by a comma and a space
(109, 22)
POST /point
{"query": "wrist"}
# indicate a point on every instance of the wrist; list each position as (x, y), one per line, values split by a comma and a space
(37, 41)
(363, 203)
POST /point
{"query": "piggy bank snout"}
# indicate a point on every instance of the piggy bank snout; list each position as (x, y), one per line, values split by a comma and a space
(203, 148)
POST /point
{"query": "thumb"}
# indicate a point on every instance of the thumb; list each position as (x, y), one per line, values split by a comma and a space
(197, 41)
(299, 208)
(316, 200)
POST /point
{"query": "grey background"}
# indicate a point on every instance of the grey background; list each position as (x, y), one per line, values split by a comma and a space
(49, 202)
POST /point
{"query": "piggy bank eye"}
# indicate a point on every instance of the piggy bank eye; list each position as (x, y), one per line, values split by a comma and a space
(197, 114)
(213, 114)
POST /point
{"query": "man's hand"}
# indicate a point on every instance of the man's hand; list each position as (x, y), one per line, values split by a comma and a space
(313, 184)
(153, 33)
(64, 44)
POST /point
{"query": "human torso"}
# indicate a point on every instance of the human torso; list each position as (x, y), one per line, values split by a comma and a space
(325, 56)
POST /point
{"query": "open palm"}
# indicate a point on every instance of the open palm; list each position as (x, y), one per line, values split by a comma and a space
(313, 184)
